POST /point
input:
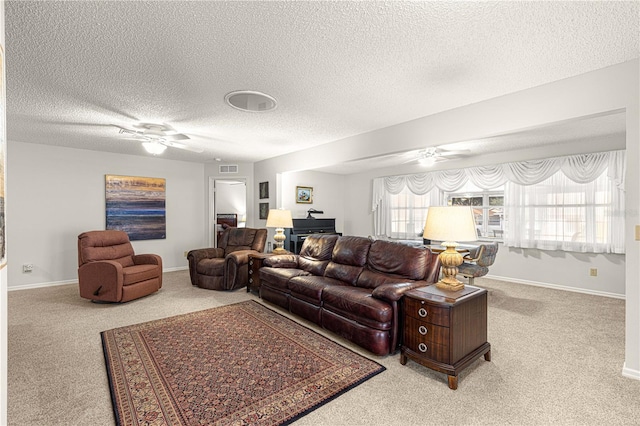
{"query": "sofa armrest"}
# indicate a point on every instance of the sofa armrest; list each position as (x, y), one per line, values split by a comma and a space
(281, 261)
(392, 292)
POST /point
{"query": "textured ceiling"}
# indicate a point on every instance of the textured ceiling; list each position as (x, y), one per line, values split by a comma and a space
(337, 69)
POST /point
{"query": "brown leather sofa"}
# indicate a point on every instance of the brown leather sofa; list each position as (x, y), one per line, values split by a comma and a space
(349, 285)
(109, 271)
(227, 266)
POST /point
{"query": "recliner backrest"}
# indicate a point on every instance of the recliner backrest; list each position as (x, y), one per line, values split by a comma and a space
(105, 245)
(315, 253)
(234, 239)
(348, 259)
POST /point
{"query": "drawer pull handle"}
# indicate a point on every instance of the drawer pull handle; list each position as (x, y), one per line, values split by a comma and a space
(422, 312)
(422, 347)
(422, 330)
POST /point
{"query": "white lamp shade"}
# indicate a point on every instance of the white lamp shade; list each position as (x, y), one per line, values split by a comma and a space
(279, 219)
(450, 223)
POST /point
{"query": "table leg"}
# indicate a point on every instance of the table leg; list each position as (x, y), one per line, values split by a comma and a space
(453, 382)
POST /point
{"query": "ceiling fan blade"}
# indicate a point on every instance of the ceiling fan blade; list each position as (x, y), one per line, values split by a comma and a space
(446, 152)
(181, 146)
(176, 137)
(411, 160)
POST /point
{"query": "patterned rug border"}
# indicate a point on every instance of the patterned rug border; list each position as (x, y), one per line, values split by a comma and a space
(110, 373)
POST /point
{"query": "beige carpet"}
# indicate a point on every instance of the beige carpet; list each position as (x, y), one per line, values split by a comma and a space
(556, 359)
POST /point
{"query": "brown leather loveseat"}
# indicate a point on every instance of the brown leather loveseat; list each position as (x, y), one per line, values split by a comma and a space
(349, 285)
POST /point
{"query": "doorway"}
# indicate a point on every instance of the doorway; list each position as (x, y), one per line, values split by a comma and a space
(228, 206)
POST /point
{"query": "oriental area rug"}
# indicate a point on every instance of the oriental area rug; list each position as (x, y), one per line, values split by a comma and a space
(240, 364)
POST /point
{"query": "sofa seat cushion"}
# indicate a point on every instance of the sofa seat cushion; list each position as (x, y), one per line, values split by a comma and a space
(138, 273)
(212, 267)
(370, 279)
(279, 277)
(358, 305)
(309, 288)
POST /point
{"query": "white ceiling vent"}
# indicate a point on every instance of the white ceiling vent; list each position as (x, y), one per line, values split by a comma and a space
(228, 169)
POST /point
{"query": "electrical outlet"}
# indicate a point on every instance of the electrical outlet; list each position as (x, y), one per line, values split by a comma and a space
(27, 267)
(593, 272)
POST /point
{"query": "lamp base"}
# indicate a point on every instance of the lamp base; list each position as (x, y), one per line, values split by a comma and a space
(279, 239)
(450, 259)
(450, 287)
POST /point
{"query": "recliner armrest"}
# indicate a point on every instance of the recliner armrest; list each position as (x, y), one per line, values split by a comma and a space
(101, 280)
(147, 259)
(239, 257)
(281, 261)
(205, 253)
(393, 292)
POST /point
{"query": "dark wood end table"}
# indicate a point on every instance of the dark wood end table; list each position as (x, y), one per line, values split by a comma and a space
(445, 330)
(255, 263)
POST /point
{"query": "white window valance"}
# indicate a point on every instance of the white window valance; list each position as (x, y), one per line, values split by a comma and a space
(581, 168)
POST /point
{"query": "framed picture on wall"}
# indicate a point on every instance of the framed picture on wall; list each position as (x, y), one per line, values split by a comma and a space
(264, 190)
(136, 205)
(264, 211)
(304, 195)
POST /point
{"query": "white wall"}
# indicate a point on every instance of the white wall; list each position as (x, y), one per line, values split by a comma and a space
(328, 195)
(58, 193)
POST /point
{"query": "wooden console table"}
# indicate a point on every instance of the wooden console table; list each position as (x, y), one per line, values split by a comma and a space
(444, 330)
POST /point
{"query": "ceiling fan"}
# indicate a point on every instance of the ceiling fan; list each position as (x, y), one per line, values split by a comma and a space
(157, 137)
(431, 155)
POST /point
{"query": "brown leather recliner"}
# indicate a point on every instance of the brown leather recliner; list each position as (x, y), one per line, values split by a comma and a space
(227, 266)
(110, 271)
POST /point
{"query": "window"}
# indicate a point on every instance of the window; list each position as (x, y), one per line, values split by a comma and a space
(560, 214)
(539, 205)
(408, 213)
(487, 206)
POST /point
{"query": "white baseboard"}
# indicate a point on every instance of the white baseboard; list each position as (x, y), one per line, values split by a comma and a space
(57, 283)
(632, 374)
(558, 287)
(41, 285)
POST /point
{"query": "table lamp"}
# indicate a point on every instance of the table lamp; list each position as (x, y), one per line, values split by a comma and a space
(279, 219)
(450, 224)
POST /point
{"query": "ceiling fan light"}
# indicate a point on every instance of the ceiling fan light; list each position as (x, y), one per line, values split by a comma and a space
(154, 148)
(427, 161)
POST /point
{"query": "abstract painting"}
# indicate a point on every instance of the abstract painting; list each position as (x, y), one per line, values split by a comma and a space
(136, 205)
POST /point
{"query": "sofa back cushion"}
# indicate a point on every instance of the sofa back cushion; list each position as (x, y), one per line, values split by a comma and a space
(105, 245)
(348, 259)
(390, 262)
(315, 253)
